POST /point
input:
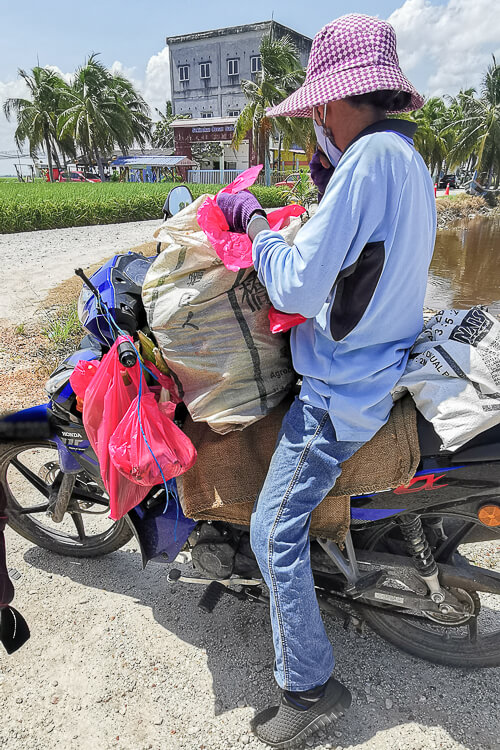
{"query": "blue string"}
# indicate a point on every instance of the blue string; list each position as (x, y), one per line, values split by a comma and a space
(113, 324)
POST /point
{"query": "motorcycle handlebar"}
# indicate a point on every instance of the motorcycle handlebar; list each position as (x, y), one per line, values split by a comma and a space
(127, 355)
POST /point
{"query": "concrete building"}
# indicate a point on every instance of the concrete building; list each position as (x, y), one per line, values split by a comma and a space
(206, 68)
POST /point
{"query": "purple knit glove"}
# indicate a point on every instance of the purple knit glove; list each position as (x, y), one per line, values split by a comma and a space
(238, 209)
(320, 175)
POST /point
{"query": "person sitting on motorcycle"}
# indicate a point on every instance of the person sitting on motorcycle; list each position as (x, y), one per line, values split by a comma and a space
(357, 272)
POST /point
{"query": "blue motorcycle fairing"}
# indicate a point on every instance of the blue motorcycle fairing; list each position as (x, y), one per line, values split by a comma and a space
(88, 311)
(119, 283)
(39, 413)
(67, 462)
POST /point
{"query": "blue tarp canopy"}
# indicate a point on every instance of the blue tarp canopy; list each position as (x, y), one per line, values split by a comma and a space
(143, 160)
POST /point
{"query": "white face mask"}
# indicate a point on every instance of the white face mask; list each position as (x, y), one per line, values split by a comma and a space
(329, 148)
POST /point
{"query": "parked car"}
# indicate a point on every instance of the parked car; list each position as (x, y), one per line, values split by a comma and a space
(447, 179)
(290, 181)
(72, 176)
(76, 177)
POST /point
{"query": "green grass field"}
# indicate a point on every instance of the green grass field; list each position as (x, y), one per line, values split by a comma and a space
(28, 206)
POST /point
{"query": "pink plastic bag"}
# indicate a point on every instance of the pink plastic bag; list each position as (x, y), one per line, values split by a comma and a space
(281, 321)
(129, 452)
(234, 249)
(82, 376)
(165, 381)
(107, 397)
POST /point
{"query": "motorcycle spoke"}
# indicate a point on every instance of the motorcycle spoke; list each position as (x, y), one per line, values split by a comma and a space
(32, 478)
(89, 497)
(79, 525)
(34, 509)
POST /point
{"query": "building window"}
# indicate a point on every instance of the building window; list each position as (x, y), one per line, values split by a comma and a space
(233, 113)
(255, 64)
(206, 114)
(183, 73)
(205, 70)
(233, 67)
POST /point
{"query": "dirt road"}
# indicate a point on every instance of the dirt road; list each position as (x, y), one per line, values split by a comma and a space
(32, 263)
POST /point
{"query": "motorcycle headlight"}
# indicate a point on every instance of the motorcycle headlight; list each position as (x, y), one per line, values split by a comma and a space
(56, 381)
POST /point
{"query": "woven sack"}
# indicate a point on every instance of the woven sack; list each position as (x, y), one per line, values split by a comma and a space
(212, 327)
(230, 470)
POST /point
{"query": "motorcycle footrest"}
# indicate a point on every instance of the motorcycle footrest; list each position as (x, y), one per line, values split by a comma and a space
(364, 583)
(211, 596)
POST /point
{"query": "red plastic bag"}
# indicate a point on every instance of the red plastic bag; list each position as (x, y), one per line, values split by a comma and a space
(107, 398)
(234, 249)
(173, 451)
(281, 321)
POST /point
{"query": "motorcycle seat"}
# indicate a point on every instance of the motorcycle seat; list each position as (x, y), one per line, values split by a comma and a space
(483, 447)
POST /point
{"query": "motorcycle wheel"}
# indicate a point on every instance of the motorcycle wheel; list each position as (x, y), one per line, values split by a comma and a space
(28, 473)
(472, 644)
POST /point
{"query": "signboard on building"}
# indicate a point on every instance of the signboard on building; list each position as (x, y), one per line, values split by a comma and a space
(208, 133)
(221, 130)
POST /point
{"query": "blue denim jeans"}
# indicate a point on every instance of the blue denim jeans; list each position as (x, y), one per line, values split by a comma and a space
(305, 466)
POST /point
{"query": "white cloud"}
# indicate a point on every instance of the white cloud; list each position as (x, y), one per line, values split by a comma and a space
(444, 48)
(156, 87)
(130, 73)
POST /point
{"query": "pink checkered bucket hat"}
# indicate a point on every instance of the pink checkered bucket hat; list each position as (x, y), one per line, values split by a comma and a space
(352, 55)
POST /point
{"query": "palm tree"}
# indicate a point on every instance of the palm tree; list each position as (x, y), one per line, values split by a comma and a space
(101, 110)
(430, 138)
(478, 121)
(281, 74)
(163, 133)
(138, 110)
(37, 117)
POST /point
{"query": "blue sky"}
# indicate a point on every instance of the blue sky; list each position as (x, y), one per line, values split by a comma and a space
(62, 33)
(443, 45)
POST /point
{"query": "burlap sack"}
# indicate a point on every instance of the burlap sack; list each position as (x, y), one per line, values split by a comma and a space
(231, 469)
(212, 327)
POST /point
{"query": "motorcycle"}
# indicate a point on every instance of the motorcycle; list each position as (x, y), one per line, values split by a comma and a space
(412, 567)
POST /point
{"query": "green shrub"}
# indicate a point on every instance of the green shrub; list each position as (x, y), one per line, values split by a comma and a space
(63, 326)
(269, 197)
(29, 206)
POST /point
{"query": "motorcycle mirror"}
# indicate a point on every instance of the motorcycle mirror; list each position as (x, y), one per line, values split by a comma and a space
(177, 199)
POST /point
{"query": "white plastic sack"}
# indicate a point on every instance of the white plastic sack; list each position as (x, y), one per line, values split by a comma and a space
(453, 374)
(212, 327)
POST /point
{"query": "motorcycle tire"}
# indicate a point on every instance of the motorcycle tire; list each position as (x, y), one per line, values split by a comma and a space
(427, 640)
(31, 526)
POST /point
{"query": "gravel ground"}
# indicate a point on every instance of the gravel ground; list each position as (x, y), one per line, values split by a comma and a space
(34, 262)
(120, 658)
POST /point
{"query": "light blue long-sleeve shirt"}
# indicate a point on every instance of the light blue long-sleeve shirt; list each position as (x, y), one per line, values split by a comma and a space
(358, 273)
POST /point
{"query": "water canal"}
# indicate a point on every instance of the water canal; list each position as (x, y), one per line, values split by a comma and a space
(465, 268)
